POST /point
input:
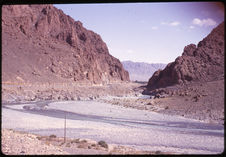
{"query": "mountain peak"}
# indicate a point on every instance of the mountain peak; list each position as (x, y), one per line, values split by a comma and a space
(204, 62)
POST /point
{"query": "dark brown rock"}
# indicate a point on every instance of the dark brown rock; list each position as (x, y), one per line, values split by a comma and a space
(202, 63)
(41, 39)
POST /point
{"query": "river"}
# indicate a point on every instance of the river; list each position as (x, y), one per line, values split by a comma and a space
(140, 129)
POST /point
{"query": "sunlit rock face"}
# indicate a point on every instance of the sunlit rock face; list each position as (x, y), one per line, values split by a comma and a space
(204, 62)
(41, 43)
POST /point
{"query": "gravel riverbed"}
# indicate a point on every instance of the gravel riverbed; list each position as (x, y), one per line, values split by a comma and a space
(138, 129)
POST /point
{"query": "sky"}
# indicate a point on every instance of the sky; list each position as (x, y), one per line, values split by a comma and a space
(148, 32)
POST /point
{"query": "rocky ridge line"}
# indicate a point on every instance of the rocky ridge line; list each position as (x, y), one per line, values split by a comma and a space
(42, 44)
(204, 62)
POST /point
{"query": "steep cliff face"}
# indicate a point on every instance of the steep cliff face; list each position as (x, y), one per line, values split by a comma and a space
(204, 62)
(40, 43)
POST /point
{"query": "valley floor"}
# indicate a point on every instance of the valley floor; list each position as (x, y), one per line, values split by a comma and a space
(201, 101)
(196, 101)
(132, 129)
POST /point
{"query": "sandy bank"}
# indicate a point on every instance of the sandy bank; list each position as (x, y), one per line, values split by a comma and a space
(22, 143)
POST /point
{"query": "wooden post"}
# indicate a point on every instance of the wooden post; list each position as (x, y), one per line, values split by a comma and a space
(64, 127)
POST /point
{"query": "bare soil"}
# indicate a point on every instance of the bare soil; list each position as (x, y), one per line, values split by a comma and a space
(22, 143)
(200, 101)
(65, 91)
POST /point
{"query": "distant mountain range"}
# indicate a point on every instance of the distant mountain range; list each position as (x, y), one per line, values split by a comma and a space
(140, 71)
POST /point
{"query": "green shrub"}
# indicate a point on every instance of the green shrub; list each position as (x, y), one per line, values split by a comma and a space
(52, 136)
(158, 152)
(39, 137)
(103, 144)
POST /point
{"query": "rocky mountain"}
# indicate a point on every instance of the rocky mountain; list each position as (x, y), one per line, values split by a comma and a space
(201, 63)
(140, 71)
(42, 44)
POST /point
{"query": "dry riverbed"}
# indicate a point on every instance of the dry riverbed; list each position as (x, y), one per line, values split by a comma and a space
(190, 102)
(128, 130)
(200, 101)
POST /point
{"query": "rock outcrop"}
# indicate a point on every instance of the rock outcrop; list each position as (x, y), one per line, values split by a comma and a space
(42, 44)
(202, 63)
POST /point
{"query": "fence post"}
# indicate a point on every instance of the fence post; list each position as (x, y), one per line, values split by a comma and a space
(64, 127)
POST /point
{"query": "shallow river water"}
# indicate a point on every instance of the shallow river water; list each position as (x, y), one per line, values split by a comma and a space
(140, 129)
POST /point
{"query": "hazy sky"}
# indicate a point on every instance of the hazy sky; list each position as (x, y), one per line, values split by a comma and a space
(148, 32)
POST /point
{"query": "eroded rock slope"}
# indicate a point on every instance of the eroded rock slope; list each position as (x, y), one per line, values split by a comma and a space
(42, 44)
(201, 63)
